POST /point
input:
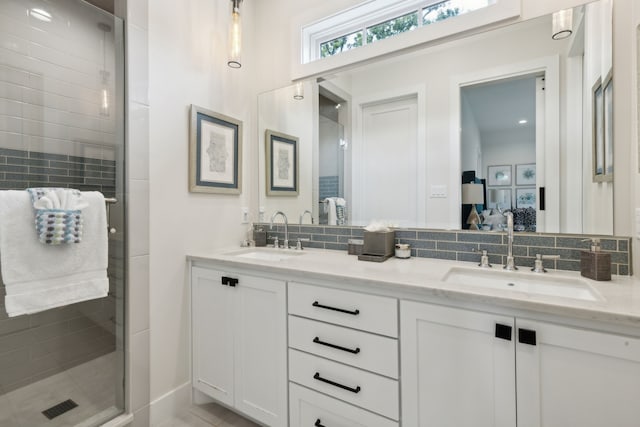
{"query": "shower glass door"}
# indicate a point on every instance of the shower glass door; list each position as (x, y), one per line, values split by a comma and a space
(62, 125)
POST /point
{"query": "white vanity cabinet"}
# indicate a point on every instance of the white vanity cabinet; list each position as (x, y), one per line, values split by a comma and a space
(239, 335)
(465, 368)
(343, 358)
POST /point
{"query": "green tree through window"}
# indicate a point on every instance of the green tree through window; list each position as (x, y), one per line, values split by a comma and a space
(392, 27)
(341, 44)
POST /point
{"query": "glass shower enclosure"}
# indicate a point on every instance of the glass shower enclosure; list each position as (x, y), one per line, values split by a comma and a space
(62, 125)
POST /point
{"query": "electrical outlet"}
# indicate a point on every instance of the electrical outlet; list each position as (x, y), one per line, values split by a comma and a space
(261, 214)
(245, 216)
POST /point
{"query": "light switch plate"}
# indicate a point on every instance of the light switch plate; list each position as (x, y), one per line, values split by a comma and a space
(638, 223)
(438, 192)
(261, 214)
(245, 215)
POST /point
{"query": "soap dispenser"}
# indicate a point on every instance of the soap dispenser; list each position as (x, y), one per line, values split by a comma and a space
(595, 264)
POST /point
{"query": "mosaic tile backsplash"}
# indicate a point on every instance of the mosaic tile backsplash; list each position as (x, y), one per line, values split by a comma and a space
(464, 245)
(23, 169)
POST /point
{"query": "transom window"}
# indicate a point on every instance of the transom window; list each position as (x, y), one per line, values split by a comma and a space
(378, 20)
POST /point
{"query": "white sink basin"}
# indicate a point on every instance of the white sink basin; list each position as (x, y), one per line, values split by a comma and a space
(525, 281)
(266, 254)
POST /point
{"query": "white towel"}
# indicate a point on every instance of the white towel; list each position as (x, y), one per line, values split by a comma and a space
(330, 210)
(38, 277)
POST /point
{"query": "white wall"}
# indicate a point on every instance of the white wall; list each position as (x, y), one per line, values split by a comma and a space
(187, 65)
(470, 141)
(597, 64)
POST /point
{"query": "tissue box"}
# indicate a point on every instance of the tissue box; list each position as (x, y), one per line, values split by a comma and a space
(380, 243)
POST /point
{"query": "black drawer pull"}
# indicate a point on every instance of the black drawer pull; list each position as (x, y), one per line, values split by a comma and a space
(341, 310)
(318, 423)
(527, 336)
(337, 347)
(503, 332)
(229, 281)
(324, 380)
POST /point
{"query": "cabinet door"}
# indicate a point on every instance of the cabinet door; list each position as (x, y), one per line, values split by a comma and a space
(457, 367)
(261, 349)
(574, 377)
(212, 329)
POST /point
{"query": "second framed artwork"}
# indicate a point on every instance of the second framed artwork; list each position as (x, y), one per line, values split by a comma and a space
(526, 174)
(282, 164)
(499, 175)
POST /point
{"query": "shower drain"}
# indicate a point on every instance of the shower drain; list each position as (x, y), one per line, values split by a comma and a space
(59, 409)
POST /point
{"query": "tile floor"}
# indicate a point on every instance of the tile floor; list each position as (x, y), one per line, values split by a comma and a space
(208, 415)
(91, 385)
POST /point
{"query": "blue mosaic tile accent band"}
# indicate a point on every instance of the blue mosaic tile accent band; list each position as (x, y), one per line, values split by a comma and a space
(465, 245)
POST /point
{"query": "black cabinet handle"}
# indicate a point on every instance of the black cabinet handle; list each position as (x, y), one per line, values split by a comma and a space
(333, 383)
(318, 423)
(229, 281)
(337, 347)
(341, 310)
(503, 332)
(526, 336)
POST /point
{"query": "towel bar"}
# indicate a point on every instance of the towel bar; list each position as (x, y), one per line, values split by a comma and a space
(110, 201)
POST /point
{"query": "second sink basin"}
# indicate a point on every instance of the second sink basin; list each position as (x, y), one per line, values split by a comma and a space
(266, 254)
(527, 282)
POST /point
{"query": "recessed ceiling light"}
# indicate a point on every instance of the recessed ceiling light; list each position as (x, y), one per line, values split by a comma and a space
(523, 121)
(40, 14)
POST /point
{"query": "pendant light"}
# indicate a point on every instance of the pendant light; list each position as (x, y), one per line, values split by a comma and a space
(298, 91)
(235, 36)
(104, 74)
(562, 24)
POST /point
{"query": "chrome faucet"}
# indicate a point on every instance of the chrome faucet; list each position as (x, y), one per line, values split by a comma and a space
(286, 227)
(510, 264)
(304, 213)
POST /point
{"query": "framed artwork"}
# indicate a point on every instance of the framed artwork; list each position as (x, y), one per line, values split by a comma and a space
(499, 175)
(282, 164)
(215, 153)
(499, 198)
(598, 132)
(526, 174)
(526, 197)
(608, 127)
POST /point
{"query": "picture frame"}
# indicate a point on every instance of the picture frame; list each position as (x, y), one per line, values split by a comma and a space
(499, 198)
(499, 176)
(608, 126)
(215, 152)
(526, 197)
(598, 132)
(282, 164)
(526, 174)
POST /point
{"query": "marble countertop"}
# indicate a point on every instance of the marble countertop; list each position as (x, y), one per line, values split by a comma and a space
(618, 300)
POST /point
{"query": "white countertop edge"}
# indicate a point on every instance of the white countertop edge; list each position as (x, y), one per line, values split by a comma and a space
(416, 278)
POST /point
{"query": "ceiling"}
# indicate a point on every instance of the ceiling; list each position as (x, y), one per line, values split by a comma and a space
(499, 106)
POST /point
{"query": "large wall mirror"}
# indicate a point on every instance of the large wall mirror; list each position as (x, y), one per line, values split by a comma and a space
(511, 110)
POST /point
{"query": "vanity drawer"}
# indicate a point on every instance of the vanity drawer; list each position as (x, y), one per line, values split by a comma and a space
(360, 349)
(352, 309)
(308, 408)
(361, 388)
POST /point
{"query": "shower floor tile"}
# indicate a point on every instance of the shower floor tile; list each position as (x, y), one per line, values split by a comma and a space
(91, 385)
